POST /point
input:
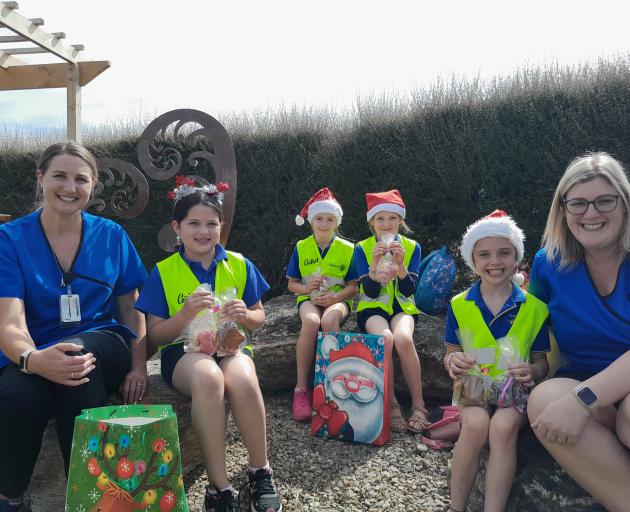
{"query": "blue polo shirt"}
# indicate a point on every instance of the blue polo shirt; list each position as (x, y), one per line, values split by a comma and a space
(107, 266)
(591, 330)
(500, 324)
(293, 269)
(152, 299)
(361, 267)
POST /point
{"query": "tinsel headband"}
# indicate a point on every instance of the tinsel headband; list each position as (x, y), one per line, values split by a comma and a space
(186, 186)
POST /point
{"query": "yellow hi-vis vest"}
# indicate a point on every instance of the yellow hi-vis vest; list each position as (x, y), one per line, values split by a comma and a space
(530, 318)
(179, 281)
(334, 265)
(388, 291)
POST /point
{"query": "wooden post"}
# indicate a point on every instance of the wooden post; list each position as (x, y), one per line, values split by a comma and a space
(74, 104)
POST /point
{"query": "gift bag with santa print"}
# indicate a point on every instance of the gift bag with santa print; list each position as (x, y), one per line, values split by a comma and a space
(126, 458)
(350, 388)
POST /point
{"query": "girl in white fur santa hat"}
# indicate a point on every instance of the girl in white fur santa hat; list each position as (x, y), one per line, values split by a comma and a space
(493, 308)
(319, 273)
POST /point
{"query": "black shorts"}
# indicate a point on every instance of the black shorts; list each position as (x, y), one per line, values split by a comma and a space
(363, 316)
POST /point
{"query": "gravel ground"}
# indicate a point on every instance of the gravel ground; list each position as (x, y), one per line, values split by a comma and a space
(318, 474)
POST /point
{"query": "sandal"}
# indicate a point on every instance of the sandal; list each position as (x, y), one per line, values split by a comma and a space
(396, 420)
(418, 417)
(435, 444)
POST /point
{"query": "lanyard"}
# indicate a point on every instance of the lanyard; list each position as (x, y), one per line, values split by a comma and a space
(66, 276)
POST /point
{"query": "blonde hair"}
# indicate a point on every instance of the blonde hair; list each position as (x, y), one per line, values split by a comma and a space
(557, 238)
(404, 228)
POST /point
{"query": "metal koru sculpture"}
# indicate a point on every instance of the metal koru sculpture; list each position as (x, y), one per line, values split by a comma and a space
(160, 158)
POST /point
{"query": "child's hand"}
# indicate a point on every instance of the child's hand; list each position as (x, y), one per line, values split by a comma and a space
(325, 299)
(522, 373)
(314, 283)
(398, 253)
(235, 310)
(196, 302)
(377, 253)
(458, 364)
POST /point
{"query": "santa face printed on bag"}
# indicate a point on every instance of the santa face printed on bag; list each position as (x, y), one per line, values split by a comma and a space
(357, 385)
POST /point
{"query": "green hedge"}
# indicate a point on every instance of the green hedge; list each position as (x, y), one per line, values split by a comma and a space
(455, 154)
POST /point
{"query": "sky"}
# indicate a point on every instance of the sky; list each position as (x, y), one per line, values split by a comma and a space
(233, 56)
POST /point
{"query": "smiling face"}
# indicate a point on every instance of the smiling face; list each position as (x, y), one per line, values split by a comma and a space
(324, 225)
(495, 260)
(200, 231)
(594, 230)
(66, 184)
(385, 222)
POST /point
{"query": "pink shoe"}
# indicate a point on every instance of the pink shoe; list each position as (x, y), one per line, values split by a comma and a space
(301, 405)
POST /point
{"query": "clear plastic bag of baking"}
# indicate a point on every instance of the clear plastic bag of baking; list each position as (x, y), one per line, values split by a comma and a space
(230, 335)
(324, 283)
(505, 391)
(202, 336)
(472, 387)
(386, 269)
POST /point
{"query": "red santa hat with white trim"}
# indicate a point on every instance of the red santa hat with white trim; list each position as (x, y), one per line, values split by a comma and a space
(390, 201)
(497, 224)
(322, 201)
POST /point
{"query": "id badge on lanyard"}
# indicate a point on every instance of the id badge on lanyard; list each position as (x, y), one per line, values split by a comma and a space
(69, 309)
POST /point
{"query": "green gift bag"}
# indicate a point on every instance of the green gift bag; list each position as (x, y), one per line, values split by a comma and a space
(126, 458)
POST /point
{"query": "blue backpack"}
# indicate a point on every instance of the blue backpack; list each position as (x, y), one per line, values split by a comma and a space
(435, 281)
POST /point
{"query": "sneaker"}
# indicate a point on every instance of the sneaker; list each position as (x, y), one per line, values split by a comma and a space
(218, 501)
(301, 405)
(263, 491)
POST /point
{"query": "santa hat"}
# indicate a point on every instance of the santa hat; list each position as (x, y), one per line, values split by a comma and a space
(497, 224)
(389, 201)
(355, 357)
(322, 201)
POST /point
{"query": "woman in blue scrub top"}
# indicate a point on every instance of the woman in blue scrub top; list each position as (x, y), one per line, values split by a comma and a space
(66, 278)
(582, 416)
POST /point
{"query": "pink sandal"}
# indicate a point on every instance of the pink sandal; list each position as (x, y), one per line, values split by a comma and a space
(450, 413)
(434, 444)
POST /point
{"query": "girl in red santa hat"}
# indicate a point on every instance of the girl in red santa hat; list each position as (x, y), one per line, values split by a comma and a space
(489, 314)
(319, 274)
(388, 265)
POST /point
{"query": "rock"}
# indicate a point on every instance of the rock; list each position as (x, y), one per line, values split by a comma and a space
(540, 483)
(274, 345)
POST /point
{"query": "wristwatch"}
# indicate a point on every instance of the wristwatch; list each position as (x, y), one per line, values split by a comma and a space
(586, 397)
(24, 359)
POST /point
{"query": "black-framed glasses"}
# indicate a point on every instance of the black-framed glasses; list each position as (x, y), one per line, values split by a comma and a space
(603, 204)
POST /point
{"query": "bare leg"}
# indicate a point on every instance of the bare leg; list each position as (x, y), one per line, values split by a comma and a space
(248, 408)
(378, 325)
(607, 473)
(403, 327)
(504, 427)
(334, 316)
(305, 348)
(473, 437)
(198, 376)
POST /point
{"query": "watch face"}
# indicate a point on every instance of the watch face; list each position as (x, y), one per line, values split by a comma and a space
(587, 396)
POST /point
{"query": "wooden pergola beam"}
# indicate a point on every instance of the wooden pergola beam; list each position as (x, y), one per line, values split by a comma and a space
(45, 76)
(7, 60)
(33, 32)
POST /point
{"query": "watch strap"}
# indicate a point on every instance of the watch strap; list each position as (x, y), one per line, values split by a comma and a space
(590, 407)
(23, 362)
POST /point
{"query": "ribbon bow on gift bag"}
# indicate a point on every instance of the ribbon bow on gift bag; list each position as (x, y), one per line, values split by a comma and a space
(326, 413)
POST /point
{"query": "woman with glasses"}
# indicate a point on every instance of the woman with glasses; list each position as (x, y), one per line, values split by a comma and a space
(582, 415)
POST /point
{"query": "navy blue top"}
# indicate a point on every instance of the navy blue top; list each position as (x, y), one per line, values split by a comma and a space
(500, 324)
(106, 266)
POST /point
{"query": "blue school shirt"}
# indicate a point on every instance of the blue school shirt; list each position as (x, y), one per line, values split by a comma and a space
(592, 331)
(499, 325)
(152, 298)
(293, 269)
(107, 266)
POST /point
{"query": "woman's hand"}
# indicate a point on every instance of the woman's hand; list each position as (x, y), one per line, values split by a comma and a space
(235, 310)
(55, 365)
(325, 299)
(562, 421)
(196, 302)
(134, 387)
(458, 364)
(522, 373)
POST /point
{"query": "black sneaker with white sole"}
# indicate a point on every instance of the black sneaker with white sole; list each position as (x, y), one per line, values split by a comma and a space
(263, 492)
(218, 501)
